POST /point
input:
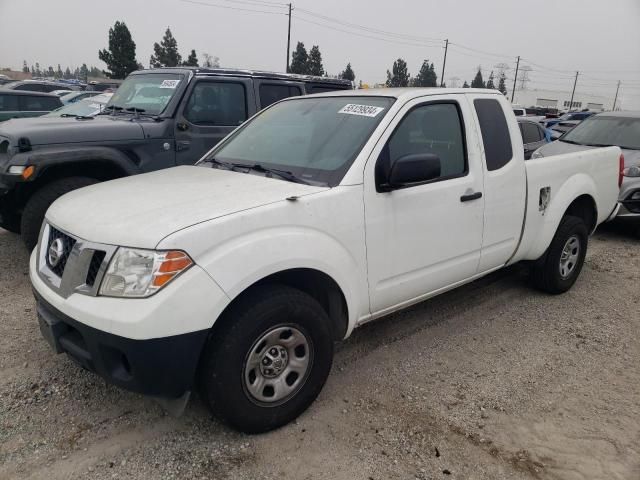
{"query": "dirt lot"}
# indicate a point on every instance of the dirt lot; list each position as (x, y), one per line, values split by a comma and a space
(490, 381)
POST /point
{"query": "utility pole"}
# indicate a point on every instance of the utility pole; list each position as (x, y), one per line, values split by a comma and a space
(515, 78)
(574, 91)
(616, 99)
(444, 62)
(288, 39)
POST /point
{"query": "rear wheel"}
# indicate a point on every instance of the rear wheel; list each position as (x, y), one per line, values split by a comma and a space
(268, 360)
(558, 269)
(41, 200)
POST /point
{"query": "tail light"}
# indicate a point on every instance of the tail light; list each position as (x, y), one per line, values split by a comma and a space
(621, 170)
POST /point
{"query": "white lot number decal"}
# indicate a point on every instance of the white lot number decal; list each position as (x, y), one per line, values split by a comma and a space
(362, 110)
(95, 105)
(169, 83)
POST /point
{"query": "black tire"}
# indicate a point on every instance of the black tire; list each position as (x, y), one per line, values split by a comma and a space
(222, 374)
(41, 200)
(11, 224)
(546, 272)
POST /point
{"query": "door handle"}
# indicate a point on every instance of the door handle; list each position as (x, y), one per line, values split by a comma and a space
(471, 196)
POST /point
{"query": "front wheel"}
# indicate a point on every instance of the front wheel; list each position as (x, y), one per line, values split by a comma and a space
(41, 200)
(558, 269)
(268, 360)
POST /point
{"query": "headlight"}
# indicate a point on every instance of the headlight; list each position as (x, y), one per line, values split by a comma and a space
(632, 171)
(537, 154)
(141, 273)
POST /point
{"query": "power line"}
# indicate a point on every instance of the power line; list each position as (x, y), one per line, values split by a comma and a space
(216, 5)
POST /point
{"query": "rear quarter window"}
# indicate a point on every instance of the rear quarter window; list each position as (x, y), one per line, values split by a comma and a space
(8, 103)
(495, 133)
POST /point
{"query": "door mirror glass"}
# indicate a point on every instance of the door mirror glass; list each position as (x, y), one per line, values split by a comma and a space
(413, 169)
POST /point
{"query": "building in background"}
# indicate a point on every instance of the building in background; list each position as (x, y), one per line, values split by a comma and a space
(561, 99)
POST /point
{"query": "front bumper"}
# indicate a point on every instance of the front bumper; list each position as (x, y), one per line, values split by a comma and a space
(161, 367)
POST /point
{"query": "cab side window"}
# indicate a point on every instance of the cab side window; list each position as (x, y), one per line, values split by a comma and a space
(217, 104)
(271, 93)
(428, 129)
(495, 133)
(8, 103)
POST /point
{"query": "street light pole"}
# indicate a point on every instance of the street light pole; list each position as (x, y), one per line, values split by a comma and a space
(616, 98)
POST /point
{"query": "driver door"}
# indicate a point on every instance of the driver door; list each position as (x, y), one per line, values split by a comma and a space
(214, 107)
(424, 237)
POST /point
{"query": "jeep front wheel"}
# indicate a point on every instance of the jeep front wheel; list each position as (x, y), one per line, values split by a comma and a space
(41, 200)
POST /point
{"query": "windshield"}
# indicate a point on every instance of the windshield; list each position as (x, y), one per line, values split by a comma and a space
(149, 92)
(87, 107)
(605, 130)
(316, 139)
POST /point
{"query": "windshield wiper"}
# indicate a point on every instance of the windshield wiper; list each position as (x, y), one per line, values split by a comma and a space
(141, 111)
(76, 115)
(110, 110)
(284, 174)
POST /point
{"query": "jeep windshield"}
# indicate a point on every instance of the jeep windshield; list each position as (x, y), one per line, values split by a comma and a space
(314, 139)
(149, 93)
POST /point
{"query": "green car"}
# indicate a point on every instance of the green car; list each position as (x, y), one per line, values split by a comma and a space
(19, 104)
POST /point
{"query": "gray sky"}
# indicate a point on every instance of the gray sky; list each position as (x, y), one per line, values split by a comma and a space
(556, 38)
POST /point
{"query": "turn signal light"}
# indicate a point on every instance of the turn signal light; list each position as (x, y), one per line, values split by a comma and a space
(621, 170)
(174, 262)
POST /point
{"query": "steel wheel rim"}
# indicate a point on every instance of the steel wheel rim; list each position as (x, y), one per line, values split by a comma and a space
(277, 365)
(569, 256)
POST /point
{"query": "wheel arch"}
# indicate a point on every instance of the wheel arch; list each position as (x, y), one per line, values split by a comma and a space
(317, 284)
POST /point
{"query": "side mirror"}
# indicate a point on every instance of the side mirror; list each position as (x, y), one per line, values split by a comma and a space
(412, 169)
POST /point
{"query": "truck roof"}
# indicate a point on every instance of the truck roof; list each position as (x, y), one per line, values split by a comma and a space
(201, 71)
(406, 93)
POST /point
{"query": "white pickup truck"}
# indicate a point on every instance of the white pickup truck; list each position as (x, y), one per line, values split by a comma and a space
(319, 214)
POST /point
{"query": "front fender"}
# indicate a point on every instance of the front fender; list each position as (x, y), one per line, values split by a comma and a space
(47, 157)
(239, 262)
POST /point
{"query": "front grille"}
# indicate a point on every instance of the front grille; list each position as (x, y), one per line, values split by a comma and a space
(67, 245)
(96, 260)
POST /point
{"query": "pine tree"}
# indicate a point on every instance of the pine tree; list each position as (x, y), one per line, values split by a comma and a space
(67, 73)
(58, 73)
(426, 77)
(299, 59)
(348, 73)
(314, 66)
(477, 81)
(399, 76)
(502, 83)
(121, 56)
(466, 85)
(490, 82)
(192, 60)
(165, 53)
(25, 68)
(84, 72)
(51, 72)
(33, 71)
(38, 71)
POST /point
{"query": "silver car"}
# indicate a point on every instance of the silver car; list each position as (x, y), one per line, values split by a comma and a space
(605, 129)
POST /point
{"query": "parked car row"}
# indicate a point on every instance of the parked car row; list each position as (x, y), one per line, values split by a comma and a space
(19, 104)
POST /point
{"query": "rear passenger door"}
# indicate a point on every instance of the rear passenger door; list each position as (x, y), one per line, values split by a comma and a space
(210, 110)
(271, 91)
(504, 179)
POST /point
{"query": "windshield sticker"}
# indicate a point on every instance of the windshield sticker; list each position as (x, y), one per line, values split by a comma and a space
(169, 83)
(362, 110)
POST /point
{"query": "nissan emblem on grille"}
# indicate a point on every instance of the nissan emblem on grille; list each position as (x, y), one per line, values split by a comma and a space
(56, 250)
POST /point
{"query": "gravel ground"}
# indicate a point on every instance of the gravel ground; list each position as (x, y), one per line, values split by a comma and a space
(490, 381)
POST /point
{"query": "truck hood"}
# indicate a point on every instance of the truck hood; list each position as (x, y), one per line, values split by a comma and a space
(56, 130)
(631, 157)
(141, 210)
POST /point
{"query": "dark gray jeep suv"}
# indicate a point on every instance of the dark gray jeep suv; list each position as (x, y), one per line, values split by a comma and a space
(156, 119)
